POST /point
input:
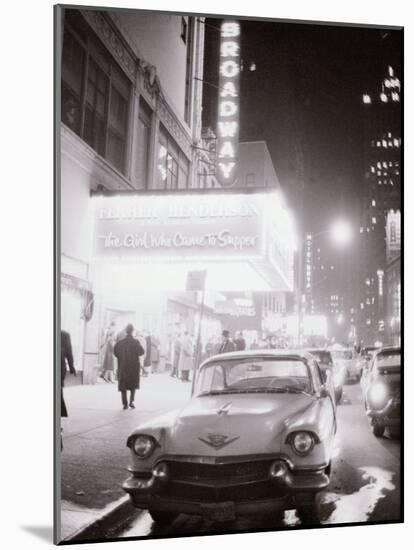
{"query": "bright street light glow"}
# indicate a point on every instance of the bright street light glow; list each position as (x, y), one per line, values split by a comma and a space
(341, 233)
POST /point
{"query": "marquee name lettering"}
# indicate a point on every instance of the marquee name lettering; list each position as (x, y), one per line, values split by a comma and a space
(146, 240)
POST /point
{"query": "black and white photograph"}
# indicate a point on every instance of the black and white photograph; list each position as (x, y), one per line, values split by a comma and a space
(229, 226)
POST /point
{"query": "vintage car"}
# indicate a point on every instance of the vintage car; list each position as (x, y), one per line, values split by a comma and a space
(332, 373)
(256, 437)
(346, 358)
(382, 390)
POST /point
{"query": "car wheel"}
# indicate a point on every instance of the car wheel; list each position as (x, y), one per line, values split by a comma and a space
(378, 429)
(309, 513)
(162, 518)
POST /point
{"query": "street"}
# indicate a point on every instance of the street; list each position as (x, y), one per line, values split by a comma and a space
(365, 485)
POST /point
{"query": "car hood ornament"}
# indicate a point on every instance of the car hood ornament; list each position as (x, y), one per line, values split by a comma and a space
(218, 441)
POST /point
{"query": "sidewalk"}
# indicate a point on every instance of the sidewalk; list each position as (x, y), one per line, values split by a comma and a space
(95, 457)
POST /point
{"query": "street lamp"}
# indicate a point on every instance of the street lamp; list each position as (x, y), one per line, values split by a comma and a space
(341, 234)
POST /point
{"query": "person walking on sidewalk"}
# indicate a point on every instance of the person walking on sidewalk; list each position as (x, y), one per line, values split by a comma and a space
(186, 357)
(108, 361)
(66, 355)
(128, 351)
(227, 344)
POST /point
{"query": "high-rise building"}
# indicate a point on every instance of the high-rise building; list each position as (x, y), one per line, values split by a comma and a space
(381, 193)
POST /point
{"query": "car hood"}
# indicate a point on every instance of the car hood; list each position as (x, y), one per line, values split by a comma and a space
(239, 423)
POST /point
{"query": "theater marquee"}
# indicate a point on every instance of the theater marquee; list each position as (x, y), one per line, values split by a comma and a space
(200, 227)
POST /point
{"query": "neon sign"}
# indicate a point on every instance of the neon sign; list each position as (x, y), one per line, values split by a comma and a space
(228, 107)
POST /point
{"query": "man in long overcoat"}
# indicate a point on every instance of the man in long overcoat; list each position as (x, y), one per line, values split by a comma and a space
(186, 357)
(128, 351)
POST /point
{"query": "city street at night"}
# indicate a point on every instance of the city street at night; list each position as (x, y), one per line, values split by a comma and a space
(230, 274)
(364, 486)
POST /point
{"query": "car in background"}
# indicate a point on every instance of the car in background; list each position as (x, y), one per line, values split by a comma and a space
(346, 358)
(333, 373)
(382, 390)
(255, 438)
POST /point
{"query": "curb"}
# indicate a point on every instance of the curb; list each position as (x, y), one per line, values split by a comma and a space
(118, 513)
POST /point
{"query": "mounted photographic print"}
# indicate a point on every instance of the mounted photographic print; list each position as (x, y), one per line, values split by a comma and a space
(228, 274)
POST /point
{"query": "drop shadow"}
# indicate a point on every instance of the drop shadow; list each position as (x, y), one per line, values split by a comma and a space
(42, 532)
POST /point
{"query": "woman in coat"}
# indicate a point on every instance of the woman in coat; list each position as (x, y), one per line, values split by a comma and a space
(108, 361)
(186, 357)
(128, 351)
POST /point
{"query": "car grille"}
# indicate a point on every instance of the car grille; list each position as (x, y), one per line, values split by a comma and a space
(220, 482)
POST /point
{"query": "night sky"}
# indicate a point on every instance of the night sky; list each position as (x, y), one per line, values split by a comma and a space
(306, 95)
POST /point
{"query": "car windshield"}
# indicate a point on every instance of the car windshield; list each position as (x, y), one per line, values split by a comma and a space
(255, 375)
(322, 356)
(341, 354)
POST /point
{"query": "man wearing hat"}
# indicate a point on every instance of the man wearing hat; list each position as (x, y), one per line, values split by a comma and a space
(128, 351)
(226, 344)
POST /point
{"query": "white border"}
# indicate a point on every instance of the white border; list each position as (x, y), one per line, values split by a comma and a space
(27, 276)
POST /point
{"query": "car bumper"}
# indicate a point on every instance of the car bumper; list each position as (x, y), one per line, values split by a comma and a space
(287, 490)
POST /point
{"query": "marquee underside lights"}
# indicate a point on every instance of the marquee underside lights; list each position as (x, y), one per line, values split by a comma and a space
(229, 103)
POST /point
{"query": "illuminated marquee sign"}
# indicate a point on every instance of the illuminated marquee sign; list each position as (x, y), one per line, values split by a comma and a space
(229, 103)
(178, 227)
(393, 234)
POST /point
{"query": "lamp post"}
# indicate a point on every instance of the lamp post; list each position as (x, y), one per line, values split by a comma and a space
(341, 234)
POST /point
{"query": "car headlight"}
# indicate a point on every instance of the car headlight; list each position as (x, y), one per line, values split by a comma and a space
(143, 446)
(378, 394)
(302, 442)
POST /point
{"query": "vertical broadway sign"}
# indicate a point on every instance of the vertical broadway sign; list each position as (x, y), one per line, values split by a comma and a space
(229, 103)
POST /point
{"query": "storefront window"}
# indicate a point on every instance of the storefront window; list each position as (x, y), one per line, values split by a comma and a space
(95, 92)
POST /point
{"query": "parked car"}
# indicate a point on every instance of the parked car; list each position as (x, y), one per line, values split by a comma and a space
(346, 358)
(333, 373)
(256, 437)
(382, 390)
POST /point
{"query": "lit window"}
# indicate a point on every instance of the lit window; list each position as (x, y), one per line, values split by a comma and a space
(395, 96)
(387, 83)
(390, 143)
(384, 143)
(366, 98)
(362, 305)
(378, 144)
(361, 229)
(390, 70)
(390, 163)
(384, 164)
(367, 282)
(384, 98)
(373, 169)
(396, 142)
(374, 220)
(378, 165)
(368, 321)
(373, 202)
(389, 134)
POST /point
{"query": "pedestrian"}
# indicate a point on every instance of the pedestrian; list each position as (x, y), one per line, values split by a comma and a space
(107, 371)
(227, 344)
(186, 357)
(240, 342)
(66, 356)
(147, 357)
(155, 355)
(128, 351)
(176, 356)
